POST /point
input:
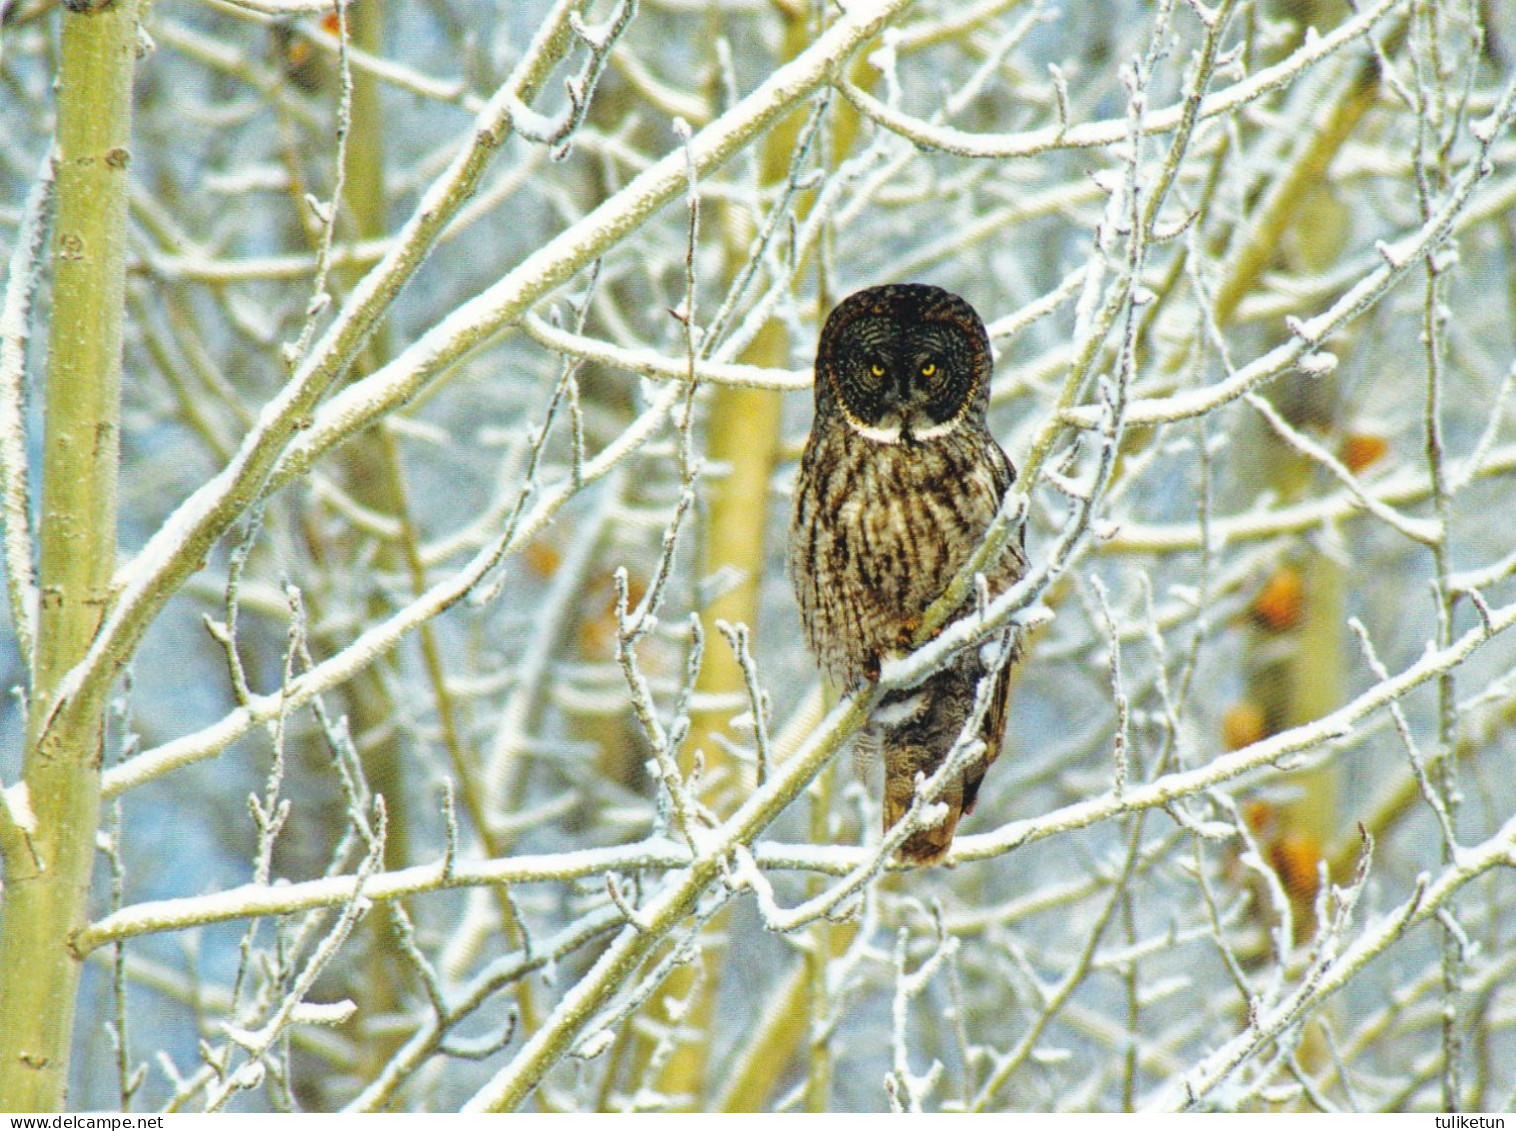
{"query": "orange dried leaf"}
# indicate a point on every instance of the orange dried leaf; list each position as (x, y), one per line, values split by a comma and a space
(542, 557)
(1242, 725)
(1280, 604)
(1260, 817)
(1295, 858)
(1363, 449)
(597, 637)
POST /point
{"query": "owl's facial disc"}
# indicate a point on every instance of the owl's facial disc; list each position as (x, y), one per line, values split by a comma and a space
(902, 384)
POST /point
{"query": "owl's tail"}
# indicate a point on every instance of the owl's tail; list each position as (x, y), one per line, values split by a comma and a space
(901, 764)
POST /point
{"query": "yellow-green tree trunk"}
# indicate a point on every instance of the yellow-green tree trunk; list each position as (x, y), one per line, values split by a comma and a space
(47, 872)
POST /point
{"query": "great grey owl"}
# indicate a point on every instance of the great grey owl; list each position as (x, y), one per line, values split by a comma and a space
(899, 480)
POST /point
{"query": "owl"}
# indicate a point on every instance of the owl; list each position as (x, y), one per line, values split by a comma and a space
(898, 481)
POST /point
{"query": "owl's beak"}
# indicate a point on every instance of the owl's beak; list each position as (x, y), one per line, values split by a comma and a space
(905, 389)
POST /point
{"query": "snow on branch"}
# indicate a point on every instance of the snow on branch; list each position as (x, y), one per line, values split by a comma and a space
(1112, 131)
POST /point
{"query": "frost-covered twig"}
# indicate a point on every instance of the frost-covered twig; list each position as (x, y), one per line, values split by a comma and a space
(507, 302)
(1113, 131)
(426, 1041)
(1408, 740)
(665, 910)
(380, 638)
(1118, 689)
(922, 812)
(1054, 997)
(651, 363)
(1418, 530)
(1337, 970)
(1275, 750)
(294, 1008)
(281, 7)
(326, 211)
(1404, 486)
(834, 730)
(907, 1090)
(179, 546)
(600, 41)
(737, 638)
(1308, 335)
(23, 273)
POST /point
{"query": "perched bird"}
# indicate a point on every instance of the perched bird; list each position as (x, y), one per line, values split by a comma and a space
(899, 480)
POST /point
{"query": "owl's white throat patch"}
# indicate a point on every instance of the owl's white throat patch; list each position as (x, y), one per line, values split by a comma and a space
(891, 433)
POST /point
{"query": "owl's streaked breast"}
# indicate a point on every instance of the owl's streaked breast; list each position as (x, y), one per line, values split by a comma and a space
(879, 531)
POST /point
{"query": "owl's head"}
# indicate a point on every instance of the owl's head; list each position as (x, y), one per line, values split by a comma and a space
(903, 362)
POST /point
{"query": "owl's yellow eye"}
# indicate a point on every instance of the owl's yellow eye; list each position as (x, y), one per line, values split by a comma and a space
(877, 370)
(929, 368)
